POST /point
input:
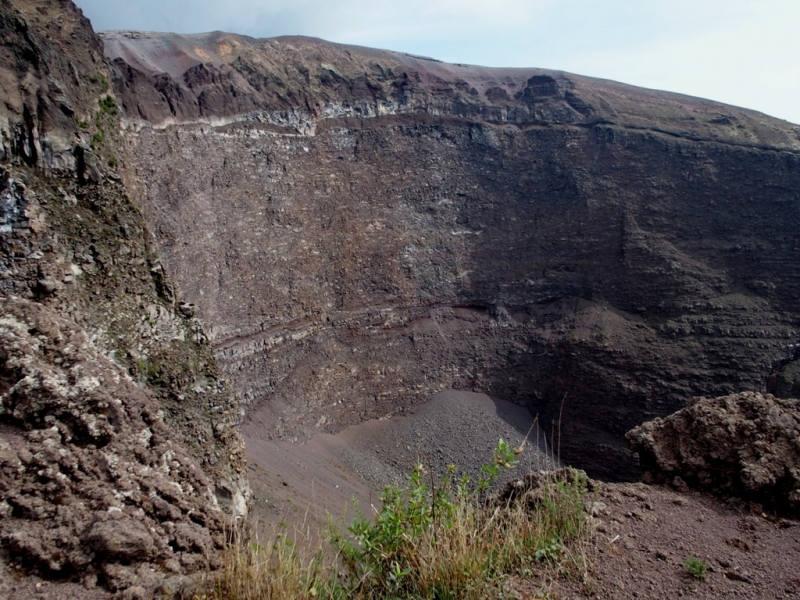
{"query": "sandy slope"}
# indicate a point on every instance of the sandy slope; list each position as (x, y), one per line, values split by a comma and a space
(297, 483)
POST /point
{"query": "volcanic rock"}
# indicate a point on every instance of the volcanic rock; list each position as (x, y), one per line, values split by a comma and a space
(109, 395)
(91, 480)
(784, 381)
(362, 229)
(744, 445)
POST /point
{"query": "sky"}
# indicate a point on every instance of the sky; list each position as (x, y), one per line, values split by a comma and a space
(741, 52)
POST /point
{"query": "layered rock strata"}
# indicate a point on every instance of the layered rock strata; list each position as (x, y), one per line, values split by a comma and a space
(361, 229)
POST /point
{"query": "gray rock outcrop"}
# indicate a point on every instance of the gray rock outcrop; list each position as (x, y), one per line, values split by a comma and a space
(784, 381)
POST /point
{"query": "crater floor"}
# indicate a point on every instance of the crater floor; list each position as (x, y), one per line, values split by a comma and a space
(301, 483)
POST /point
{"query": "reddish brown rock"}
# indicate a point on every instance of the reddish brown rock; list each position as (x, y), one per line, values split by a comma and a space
(91, 481)
(110, 469)
(745, 445)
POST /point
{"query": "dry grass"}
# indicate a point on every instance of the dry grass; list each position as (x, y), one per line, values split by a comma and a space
(284, 568)
(429, 543)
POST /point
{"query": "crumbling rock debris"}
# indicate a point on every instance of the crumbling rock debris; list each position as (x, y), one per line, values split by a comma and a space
(744, 445)
(534, 487)
(91, 479)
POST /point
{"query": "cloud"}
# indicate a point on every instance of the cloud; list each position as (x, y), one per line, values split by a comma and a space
(747, 62)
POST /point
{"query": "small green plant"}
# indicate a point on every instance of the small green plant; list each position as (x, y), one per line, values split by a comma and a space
(503, 457)
(97, 140)
(550, 550)
(695, 567)
(108, 105)
(113, 162)
(432, 538)
(101, 79)
(150, 372)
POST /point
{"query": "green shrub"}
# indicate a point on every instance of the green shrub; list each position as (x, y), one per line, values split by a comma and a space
(445, 541)
(101, 79)
(429, 540)
(695, 567)
(108, 105)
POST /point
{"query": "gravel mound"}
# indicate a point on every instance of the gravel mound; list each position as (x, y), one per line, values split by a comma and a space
(301, 484)
(453, 427)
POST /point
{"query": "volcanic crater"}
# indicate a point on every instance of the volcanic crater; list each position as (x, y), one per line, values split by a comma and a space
(355, 260)
(362, 229)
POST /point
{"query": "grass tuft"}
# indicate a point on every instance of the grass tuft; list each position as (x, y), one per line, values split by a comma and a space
(277, 571)
(430, 540)
(695, 567)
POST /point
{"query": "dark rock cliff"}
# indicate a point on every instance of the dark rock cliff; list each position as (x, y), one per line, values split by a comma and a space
(120, 462)
(360, 229)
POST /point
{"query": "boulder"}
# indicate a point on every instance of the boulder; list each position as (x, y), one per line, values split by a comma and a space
(744, 445)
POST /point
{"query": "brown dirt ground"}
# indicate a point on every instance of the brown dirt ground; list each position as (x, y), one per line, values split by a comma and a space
(646, 533)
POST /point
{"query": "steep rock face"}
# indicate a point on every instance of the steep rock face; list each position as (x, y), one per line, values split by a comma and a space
(784, 381)
(92, 483)
(746, 445)
(361, 229)
(87, 302)
(51, 61)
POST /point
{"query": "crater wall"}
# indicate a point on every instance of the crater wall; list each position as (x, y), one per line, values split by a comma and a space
(593, 251)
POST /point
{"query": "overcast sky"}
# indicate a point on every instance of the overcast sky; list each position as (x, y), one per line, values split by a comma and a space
(743, 52)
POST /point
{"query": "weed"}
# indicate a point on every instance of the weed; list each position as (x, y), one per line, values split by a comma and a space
(550, 550)
(150, 372)
(430, 539)
(101, 79)
(272, 572)
(97, 140)
(695, 567)
(108, 105)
